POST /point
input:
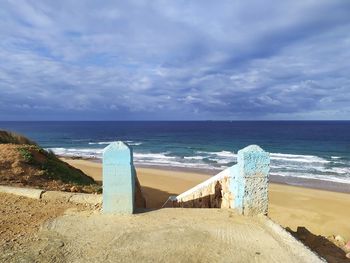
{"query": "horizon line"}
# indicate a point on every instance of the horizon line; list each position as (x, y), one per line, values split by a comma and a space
(265, 120)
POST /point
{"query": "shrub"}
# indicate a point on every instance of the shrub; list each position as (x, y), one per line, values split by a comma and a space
(27, 155)
(12, 137)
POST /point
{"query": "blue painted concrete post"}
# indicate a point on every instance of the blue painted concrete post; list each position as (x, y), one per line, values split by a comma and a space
(251, 181)
(118, 179)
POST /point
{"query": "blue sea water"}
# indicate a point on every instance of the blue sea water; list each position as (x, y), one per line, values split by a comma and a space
(306, 149)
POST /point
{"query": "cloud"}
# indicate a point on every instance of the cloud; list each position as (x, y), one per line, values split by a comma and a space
(178, 60)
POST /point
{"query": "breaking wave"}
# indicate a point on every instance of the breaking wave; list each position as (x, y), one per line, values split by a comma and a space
(333, 168)
(109, 142)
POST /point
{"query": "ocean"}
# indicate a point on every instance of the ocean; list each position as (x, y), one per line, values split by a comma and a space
(302, 149)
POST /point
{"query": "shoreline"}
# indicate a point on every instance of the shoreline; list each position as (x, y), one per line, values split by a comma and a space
(285, 180)
(308, 183)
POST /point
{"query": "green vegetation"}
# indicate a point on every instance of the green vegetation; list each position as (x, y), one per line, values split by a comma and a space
(44, 166)
(26, 154)
(55, 169)
(12, 137)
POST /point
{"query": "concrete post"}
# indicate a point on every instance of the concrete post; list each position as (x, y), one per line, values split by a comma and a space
(251, 181)
(118, 179)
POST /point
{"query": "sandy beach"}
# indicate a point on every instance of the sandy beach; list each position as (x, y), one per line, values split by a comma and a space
(321, 212)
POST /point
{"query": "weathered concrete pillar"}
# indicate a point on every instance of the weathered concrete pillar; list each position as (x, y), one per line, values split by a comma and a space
(118, 179)
(250, 184)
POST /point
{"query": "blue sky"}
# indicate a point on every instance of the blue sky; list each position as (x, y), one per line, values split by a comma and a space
(167, 60)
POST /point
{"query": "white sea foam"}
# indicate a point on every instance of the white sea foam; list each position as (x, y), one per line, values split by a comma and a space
(304, 166)
(335, 157)
(339, 170)
(231, 156)
(193, 157)
(314, 176)
(221, 161)
(162, 159)
(297, 158)
(223, 154)
(311, 170)
(133, 143)
(99, 143)
(81, 152)
(157, 156)
(109, 142)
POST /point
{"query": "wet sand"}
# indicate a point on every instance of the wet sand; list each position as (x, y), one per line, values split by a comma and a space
(321, 212)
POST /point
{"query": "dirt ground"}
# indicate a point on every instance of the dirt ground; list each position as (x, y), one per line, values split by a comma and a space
(21, 218)
(165, 235)
(31, 166)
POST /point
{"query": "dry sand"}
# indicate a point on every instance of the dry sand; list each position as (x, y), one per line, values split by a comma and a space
(22, 217)
(321, 212)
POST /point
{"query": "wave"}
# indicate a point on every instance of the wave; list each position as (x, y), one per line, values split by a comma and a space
(81, 152)
(335, 157)
(193, 157)
(304, 166)
(345, 180)
(297, 158)
(231, 156)
(153, 156)
(275, 157)
(99, 143)
(164, 159)
(109, 142)
(223, 154)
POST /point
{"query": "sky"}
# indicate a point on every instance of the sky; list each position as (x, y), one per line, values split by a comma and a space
(175, 60)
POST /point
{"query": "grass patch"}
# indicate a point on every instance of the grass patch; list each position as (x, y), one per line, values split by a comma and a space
(12, 137)
(34, 166)
(55, 169)
(27, 155)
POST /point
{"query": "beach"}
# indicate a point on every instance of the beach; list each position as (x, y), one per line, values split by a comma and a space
(322, 212)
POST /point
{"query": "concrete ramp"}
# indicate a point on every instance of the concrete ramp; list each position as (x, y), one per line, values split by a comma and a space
(166, 235)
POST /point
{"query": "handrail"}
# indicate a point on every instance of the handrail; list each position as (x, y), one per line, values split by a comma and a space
(219, 176)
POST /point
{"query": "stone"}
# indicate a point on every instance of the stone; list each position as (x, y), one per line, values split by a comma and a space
(74, 189)
(26, 192)
(347, 246)
(90, 199)
(340, 240)
(56, 195)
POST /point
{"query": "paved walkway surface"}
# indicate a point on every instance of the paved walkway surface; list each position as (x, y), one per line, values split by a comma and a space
(166, 235)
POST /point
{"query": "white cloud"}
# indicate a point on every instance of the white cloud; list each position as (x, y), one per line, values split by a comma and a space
(200, 59)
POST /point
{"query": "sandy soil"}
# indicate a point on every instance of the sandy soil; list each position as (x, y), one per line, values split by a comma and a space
(31, 166)
(22, 217)
(321, 212)
(164, 235)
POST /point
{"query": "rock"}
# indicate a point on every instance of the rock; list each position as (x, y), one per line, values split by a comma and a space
(302, 230)
(348, 255)
(74, 189)
(347, 246)
(340, 240)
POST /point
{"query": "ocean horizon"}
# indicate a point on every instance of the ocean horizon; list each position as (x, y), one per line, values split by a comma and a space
(300, 149)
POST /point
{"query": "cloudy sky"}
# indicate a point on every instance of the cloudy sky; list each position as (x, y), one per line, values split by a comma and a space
(176, 60)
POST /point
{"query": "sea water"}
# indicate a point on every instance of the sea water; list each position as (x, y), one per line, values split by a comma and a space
(306, 149)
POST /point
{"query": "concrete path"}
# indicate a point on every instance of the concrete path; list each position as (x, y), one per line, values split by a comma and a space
(39, 194)
(166, 235)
